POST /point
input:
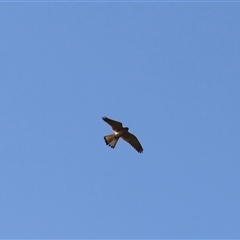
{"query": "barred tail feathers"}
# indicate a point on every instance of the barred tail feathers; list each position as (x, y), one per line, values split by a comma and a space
(111, 140)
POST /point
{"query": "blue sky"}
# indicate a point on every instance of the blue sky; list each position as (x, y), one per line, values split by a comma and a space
(169, 71)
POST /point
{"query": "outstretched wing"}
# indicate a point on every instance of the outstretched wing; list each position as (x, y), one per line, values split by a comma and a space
(133, 141)
(116, 126)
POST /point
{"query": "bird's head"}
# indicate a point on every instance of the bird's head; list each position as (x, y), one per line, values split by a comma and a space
(126, 128)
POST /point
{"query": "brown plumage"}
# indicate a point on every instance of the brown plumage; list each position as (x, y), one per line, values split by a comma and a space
(121, 132)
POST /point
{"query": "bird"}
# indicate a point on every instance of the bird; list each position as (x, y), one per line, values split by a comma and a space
(121, 132)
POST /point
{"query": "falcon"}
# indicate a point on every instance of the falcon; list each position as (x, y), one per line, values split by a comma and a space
(120, 132)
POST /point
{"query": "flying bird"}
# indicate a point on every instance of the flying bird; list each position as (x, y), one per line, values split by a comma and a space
(121, 132)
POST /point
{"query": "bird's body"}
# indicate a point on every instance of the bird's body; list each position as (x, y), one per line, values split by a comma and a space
(121, 132)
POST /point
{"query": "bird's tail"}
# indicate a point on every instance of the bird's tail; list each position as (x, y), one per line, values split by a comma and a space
(111, 140)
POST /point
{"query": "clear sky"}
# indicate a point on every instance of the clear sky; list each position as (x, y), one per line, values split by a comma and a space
(169, 71)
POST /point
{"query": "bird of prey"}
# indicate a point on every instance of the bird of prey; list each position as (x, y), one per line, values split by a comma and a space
(120, 131)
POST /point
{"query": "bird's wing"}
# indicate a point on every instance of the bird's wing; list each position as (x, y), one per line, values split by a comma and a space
(132, 140)
(116, 126)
